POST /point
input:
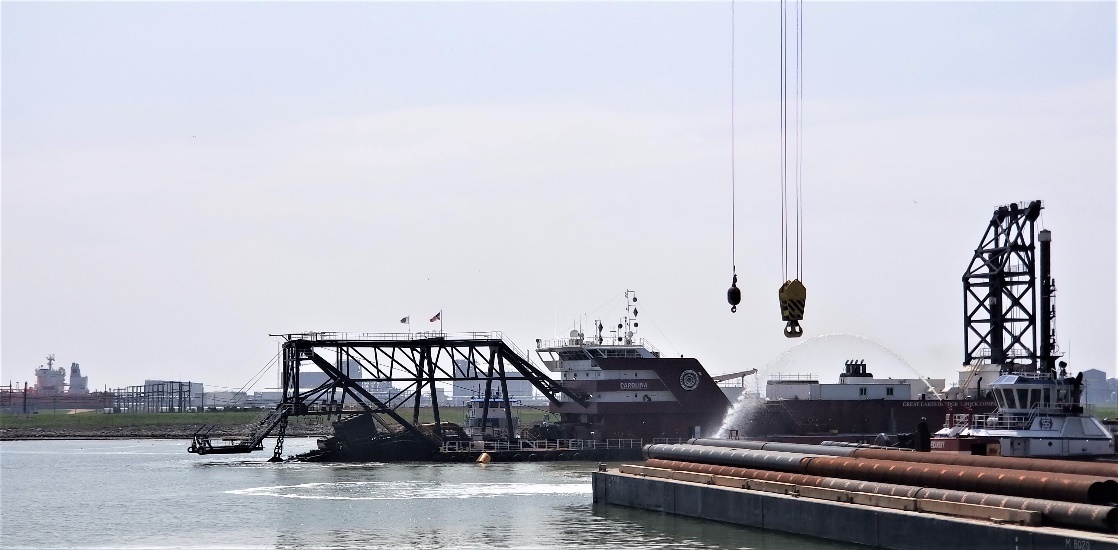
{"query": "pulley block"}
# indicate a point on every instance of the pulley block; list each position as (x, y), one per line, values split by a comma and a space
(793, 298)
(734, 295)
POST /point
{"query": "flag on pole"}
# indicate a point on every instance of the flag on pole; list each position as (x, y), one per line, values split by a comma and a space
(405, 320)
(438, 317)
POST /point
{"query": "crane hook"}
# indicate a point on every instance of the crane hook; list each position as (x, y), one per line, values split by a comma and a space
(734, 295)
(793, 299)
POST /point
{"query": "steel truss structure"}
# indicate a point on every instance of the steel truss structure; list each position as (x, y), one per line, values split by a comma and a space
(417, 361)
(1000, 293)
(413, 365)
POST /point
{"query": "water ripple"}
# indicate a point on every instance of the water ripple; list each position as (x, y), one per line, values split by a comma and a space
(409, 490)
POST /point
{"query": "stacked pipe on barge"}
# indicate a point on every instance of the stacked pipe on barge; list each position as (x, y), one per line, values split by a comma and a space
(888, 489)
(1087, 516)
(826, 450)
(1065, 487)
(1100, 469)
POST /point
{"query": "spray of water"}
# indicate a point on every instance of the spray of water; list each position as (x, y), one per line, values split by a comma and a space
(830, 346)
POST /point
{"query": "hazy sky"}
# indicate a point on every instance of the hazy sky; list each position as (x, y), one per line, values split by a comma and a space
(181, 180)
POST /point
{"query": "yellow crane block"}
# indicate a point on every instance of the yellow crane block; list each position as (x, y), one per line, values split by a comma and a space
(793, 298)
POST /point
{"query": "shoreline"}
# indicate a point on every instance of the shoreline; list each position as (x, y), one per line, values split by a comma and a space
(144, 432)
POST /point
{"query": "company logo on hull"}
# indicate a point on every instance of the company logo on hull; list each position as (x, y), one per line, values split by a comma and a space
(689, 380)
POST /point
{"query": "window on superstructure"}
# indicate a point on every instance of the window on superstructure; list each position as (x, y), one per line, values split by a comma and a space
(1000, 398)
(889, 391)
(861, 391)
(1062, 396)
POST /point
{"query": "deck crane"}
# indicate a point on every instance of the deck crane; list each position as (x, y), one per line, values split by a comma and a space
(1009, 296)
(792, 293)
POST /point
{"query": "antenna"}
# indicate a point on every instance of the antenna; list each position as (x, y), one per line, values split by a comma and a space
(629, 321)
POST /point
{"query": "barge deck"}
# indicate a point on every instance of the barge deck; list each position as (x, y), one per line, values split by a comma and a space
(879, 521)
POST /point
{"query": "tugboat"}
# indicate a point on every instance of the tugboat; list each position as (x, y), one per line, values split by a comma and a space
(1040, 411)
(1039, 415)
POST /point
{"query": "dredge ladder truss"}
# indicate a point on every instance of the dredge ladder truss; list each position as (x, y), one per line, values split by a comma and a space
(384, 375)
(202, 442)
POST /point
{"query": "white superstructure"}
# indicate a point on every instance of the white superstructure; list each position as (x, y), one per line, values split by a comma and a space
(1038, 415)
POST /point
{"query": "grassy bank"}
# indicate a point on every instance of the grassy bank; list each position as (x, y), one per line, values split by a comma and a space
(100, 421)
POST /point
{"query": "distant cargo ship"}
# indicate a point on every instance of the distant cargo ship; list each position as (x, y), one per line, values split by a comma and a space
(51, 392)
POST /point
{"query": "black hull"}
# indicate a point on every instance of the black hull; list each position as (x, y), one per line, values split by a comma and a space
(827, 418)
(391, 448)
(410, 454)
(356, 439)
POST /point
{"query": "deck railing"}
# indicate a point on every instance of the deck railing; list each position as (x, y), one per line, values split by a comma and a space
(541, 445)
(493, 335)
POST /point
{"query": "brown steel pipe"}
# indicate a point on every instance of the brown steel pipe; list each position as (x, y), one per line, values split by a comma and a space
(1100, 469)
(855, 485)
(1064, 487)
(1088, 516)
(1022, 483)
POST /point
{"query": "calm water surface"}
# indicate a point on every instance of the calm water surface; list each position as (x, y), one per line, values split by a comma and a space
(152, 493)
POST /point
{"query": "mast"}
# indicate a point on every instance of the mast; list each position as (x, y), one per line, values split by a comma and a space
(1047, 357)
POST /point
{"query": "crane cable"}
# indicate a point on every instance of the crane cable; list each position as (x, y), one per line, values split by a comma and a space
(733, 295)
(783, 140)
(794, 235)
(799, 136)
(792, 294)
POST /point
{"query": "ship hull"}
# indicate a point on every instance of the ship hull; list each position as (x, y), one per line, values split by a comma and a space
(414, 451)
(817, 417)
(16, 402)
(696, 405)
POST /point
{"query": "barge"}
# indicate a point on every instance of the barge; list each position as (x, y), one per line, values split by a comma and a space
(889, 501)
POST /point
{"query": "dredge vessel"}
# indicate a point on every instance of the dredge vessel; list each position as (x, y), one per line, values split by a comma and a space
(615, 395)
